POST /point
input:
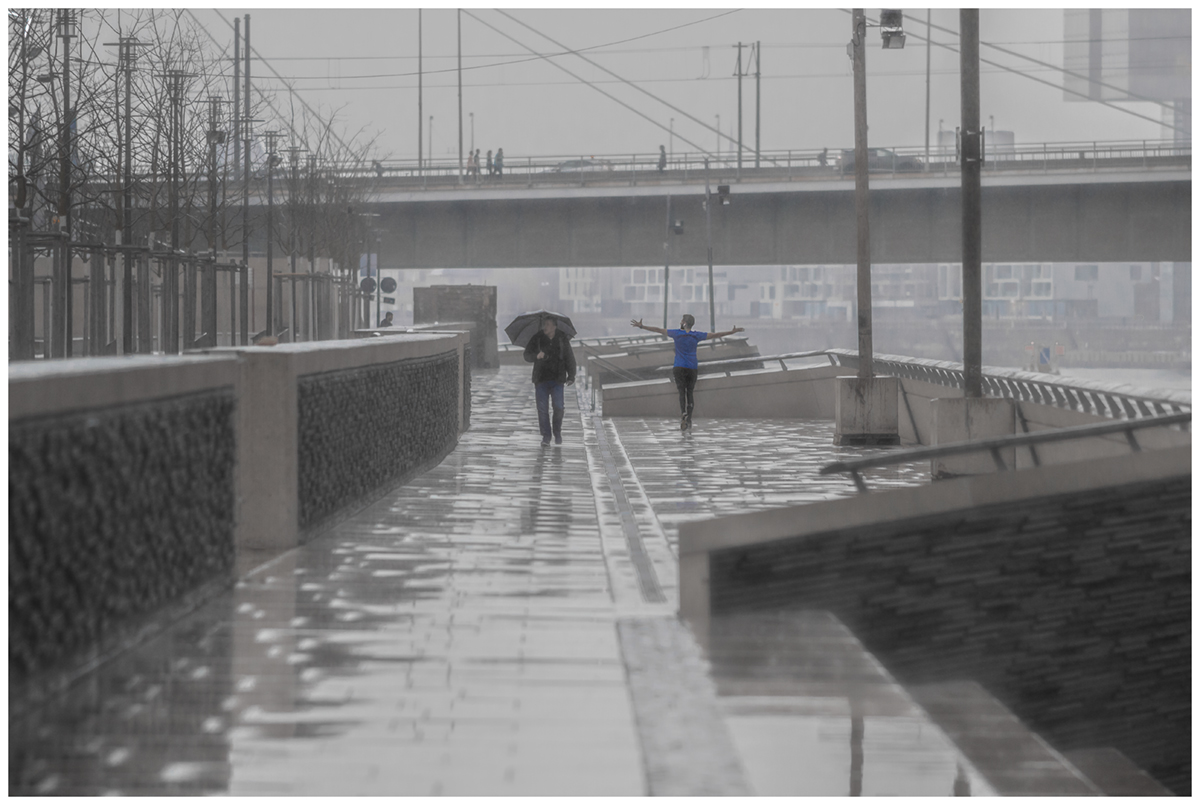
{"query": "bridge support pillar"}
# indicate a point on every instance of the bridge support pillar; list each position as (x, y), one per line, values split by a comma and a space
(866, 411)
(964, 419)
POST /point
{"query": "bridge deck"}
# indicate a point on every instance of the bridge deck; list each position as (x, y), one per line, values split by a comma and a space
(493, 627)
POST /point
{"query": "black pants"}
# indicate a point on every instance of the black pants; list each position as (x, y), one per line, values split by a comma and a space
(685, 381)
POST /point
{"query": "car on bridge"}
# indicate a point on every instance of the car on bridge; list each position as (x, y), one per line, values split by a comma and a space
(581, 166)
(880, 160)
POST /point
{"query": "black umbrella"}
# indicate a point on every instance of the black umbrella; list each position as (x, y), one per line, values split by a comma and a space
(524, 326)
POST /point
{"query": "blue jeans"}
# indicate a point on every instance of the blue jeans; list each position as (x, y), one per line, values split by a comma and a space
(545, 390)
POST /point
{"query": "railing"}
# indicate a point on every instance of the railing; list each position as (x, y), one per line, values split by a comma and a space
(995, 445)
(1115, 401)
(750, 359)
(809, 163)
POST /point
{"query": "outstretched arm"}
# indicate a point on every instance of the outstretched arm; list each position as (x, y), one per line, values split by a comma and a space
(638, 324)
(734, 331)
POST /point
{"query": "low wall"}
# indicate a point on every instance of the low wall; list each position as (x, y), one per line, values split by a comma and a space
(122, 494)
(770, 393)
(135, 483)
(1065, 592)
(645, 360)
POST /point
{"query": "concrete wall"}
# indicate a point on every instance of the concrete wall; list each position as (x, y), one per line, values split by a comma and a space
(1053, 218)
(137, 483)
(1066, 593)
(645, 360)
(752, 394)
(122, 489)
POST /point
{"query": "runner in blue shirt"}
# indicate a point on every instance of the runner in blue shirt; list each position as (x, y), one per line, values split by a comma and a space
(686, 367)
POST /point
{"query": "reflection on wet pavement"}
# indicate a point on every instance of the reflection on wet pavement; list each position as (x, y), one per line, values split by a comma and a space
(458, 637)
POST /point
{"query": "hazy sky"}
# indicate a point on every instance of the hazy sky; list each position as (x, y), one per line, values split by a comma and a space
(364, 63)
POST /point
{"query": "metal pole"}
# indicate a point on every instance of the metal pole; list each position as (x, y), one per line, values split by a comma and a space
(271, 135)
(739, 78)
(244, 271)
(667, 263)
(460, 119)
(928, 57)
(127, 212)
(63, 291)
(208, 288)
(972, 214)
(866, 369)
(757, 103)
(378, 277)
(712, 311)
(420, 96)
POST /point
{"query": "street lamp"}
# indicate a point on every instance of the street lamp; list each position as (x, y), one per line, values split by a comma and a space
(891, 28)
(472, 114)
(671, 140)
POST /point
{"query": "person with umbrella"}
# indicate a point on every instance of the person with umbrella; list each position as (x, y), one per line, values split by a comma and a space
(686, 367)
(549, 350)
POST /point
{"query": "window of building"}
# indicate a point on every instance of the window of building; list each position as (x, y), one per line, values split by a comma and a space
(771, 293)
(792, 289)
(1087, 273)
(639, 276)
(1010, 289)
(1041, 288)
(688, 292)
(654, 292)
(1004, 272)
(630, 293)
(802, 274)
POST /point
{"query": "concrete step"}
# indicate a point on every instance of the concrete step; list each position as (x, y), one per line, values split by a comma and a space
(1114, 774)
(1013, 759)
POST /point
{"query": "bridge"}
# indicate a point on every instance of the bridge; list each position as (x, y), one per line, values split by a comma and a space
(1064, 202)
(350, 567)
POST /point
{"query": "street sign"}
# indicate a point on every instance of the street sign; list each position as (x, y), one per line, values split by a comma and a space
(389, 300)
(1044, 355)
(387, 284)
(367, 285)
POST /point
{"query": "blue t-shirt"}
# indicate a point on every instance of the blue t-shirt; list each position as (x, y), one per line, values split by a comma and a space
(685, 346)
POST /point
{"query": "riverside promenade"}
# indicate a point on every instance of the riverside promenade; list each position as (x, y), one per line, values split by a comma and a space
(503, 624)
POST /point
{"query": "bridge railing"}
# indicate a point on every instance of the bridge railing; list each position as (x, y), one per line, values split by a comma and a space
(584, 169)
(1111, 400)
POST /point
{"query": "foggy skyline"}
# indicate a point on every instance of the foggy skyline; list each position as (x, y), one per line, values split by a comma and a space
(364, 62)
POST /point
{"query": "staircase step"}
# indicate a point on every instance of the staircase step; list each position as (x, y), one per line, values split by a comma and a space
(1114, 774)
(1011, 757)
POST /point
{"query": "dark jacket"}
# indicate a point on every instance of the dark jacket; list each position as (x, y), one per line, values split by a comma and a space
(559, 363)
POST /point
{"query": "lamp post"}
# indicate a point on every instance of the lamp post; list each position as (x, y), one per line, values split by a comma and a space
(472, 151)
(671, 140)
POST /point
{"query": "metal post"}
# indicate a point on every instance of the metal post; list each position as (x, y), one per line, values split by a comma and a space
(144, 322)
(63, 290)
(208, 287)
(928, 60)
(271, 323)
(866, 369)
(244, 271)
(667, 263)
(126, 55)
(972, 218)
(739, 78)
(378, 277)
(420, 96)
(757, 103)
(460, 119)
(712, 314)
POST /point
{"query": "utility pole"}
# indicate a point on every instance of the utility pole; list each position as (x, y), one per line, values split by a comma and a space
(712, 310)
(313, 330)
(667, 264)
(861, 197)
(757, 103)
(420, 96)
(244, 300)
(972, 214)
(62, 283)
(293, 210)
(125, 59)
(928, 59)
(739, 78)
(238, 178)
(271, 135)
(460, 119)
(170, 283)
(208, 291)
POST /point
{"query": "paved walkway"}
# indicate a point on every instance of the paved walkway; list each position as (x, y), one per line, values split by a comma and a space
(501, 625)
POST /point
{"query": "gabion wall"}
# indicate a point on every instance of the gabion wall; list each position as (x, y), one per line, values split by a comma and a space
(1074, 610)
(364, 429)
(466, 379)
(113, 514)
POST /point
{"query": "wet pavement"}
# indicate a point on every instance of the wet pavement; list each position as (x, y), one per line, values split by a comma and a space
(503, 624)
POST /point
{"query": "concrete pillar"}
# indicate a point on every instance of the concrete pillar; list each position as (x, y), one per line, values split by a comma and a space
(964, 419)
(866, 411)
(267, 452)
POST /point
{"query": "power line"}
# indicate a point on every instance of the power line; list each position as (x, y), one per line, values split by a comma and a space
(1015, 71)
(614, 75)
(585, 81)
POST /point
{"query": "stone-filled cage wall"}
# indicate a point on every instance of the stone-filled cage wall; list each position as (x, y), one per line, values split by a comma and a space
(1074, 610)
(366, 429)
(112, 514)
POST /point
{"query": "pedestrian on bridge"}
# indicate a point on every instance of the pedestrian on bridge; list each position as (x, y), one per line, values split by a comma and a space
(686, 367)
(491, 167)
(553, 365)
(499, 162)
(662, 158)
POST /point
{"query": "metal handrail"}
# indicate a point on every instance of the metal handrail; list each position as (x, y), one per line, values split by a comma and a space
(787, 356)
(624, 374)
(1114, 401)
(998, 443)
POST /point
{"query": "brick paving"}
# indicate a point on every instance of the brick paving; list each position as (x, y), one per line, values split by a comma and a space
(460, 636)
